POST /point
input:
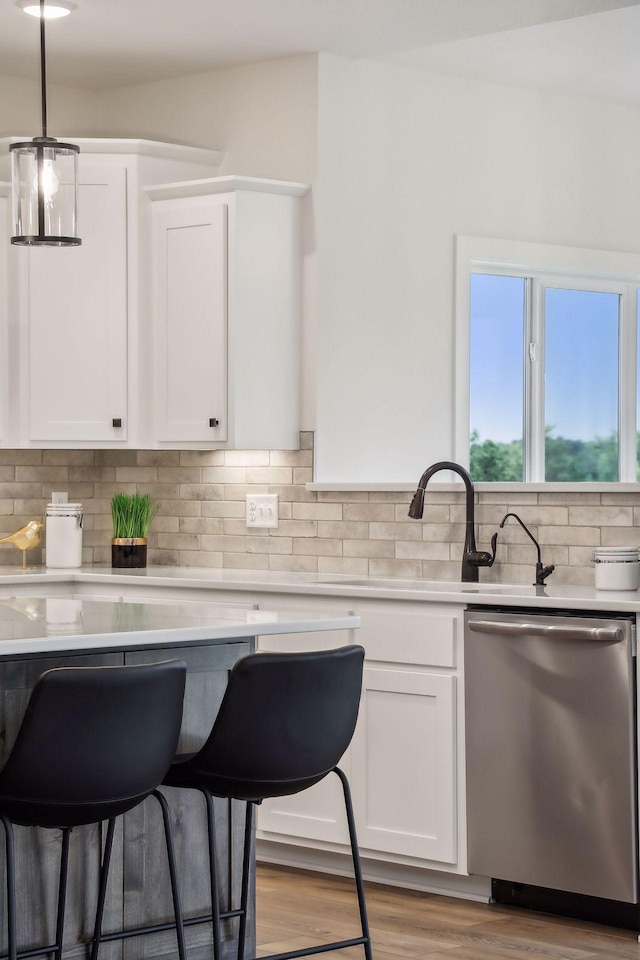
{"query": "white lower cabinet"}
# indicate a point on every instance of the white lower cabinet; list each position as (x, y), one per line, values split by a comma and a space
(316, 814)
(405, 760)
(403, 764)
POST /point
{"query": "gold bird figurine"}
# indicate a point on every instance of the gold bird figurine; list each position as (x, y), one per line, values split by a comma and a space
(25, 538)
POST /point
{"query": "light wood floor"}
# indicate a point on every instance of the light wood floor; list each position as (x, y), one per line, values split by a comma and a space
(296, 909)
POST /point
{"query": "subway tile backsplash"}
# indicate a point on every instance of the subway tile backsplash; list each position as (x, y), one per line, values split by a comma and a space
(201, 520)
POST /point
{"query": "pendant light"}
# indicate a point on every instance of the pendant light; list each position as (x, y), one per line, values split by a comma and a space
(44, 174)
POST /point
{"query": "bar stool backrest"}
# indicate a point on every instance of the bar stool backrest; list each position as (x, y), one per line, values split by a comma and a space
(96, 735)
(285, 718)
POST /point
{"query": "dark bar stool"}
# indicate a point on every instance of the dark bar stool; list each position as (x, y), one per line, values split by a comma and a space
(284, 722)
(94, 742)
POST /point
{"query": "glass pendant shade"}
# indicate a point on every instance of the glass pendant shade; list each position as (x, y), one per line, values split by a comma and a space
(44, 196)
(44, 176)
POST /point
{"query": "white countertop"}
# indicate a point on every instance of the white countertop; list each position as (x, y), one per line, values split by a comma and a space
(41, 624)
(553, 596)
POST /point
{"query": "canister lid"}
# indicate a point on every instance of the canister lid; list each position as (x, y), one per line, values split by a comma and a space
(616, 554)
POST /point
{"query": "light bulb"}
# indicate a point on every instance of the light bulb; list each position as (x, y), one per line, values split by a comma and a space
(50, 182)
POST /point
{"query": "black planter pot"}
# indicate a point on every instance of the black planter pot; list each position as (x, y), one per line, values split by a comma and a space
(129, 552)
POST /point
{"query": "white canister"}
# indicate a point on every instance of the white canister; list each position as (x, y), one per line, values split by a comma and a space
(617, 568)
(63, 528)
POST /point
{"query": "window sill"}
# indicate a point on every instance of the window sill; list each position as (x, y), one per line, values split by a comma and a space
(588, 487)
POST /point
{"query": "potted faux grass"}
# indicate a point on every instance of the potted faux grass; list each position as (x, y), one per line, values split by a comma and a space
(132, 514)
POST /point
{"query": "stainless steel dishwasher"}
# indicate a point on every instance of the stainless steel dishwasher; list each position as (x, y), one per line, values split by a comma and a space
(551, 770)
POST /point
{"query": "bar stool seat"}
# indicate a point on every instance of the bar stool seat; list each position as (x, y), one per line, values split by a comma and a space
(284, 723)
(94, 743)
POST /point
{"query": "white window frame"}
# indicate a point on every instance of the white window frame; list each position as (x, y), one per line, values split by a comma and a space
(542, 266)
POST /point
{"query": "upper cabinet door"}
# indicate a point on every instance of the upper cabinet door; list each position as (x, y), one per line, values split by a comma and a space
(227, 313)
(190, 321)
(76, 320)
(5, 228)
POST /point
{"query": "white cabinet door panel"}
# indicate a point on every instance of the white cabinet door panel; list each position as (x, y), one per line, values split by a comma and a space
(315, 814)
(403, 764)
(190, 315)
(77, 320)
(227, 278)
(5, 229)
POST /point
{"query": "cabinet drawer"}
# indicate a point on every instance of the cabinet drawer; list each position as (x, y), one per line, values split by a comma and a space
(412, 637)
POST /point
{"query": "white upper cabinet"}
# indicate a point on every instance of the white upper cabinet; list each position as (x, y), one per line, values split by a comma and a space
(75, 322)
(178, 320)
(76, 368)
(227, 305)
(5, 220)
(190, 323)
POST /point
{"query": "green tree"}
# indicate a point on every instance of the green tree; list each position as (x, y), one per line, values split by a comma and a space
(491, 461)
(566, 460)
(581, 460)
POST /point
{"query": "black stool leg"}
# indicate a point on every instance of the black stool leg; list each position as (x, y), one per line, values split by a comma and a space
(173, 874)
(357, 867)
(102, 892)
(62, 891)
(246, 867)
(11, 886)
(213, 876)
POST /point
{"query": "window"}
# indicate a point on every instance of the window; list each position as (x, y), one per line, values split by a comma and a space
(496, 377)
(546, 363)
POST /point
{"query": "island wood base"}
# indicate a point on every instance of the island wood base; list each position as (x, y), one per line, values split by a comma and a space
(139, 892)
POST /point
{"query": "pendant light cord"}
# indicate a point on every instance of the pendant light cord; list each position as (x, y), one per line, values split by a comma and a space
(43, 71)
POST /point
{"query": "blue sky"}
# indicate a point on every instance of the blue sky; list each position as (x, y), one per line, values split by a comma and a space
(581, 373)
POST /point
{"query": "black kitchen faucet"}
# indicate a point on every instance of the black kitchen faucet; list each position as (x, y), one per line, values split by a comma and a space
(472, 558)
(541, 572)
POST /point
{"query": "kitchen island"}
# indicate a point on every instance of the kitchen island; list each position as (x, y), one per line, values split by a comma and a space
(38, 633)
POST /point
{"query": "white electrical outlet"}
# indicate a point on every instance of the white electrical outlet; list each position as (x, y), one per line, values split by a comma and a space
(262, 509)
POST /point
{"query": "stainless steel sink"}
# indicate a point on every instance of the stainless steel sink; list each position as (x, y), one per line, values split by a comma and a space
(442, 586)
(387, 584)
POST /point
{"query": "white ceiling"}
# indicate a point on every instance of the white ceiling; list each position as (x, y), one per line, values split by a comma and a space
(110, 43)
(595, 56)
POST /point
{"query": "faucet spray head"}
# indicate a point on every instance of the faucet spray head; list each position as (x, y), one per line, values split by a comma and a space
(417, 504)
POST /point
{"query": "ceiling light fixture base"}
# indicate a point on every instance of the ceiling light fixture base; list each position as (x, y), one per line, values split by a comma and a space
(53, 10)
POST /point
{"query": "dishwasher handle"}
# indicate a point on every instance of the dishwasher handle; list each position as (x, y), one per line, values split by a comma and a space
(548, 631)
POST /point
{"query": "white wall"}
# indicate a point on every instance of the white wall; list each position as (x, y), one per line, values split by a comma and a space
(263, 115)
(406, 160)
(70, 111)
